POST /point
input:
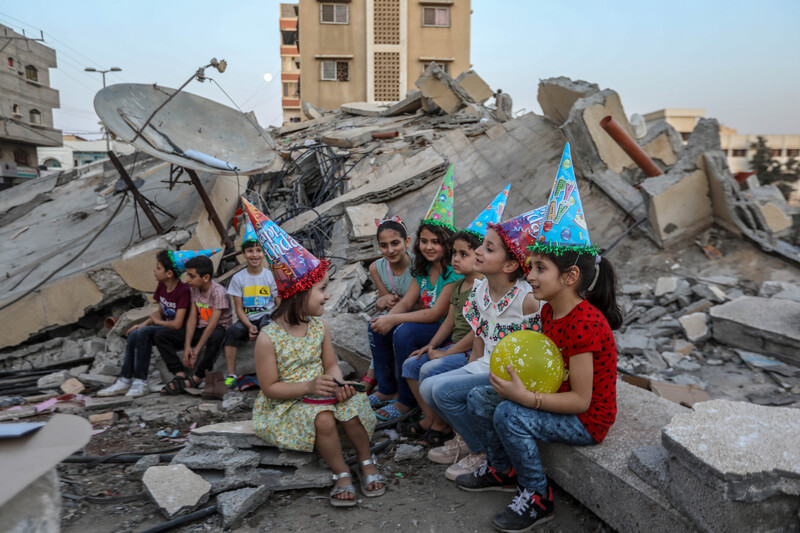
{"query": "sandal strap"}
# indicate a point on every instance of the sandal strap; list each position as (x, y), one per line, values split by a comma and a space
(371, 461)
(339, 490)
(373, 478)
(369, 380)
(337, 477)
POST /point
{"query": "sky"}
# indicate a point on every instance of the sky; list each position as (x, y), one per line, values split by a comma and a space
(737, 60)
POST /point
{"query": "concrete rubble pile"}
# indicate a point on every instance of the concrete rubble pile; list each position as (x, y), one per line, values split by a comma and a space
(707, 314)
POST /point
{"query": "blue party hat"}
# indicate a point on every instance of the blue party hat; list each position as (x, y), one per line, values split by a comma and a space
(564, 228)
(249, 233)
(180, 257)
(491, 215)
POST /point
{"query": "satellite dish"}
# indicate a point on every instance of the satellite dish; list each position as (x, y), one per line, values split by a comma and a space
(189, 131)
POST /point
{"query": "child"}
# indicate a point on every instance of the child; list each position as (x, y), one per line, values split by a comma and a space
(295, 363)
(173, 299)
(499, 304)
(254, 300)
(395, 335)
(209, 315)
(428, 361)
(579, 286)
(391, 274)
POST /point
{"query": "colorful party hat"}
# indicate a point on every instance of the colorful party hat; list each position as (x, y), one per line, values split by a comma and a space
(493, 214)
(441, 211)
(295, 268)
(519, 233)
(249, 233)
(564, 228)
(180, 257)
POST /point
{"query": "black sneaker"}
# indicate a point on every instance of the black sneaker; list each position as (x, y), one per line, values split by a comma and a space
(526, 511)
(487, 478)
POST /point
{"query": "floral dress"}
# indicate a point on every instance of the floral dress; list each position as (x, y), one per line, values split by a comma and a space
(290, 423)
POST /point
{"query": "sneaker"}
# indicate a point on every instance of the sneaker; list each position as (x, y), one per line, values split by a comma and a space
(452, 451)
(527, 510)
(467, 465)
(117, 389)
(487, 478)
(231, 380)
(138, 388)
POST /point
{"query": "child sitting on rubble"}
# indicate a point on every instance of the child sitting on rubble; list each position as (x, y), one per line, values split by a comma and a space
(303, 394)
(395, 335)
(391, 274)
(173, 298)
(254, 299)
(209, 315)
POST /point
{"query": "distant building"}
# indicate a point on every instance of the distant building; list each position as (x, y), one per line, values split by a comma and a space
(77, 151)
(737, 147)
(26, 105)
(369, 50)
(290, 64)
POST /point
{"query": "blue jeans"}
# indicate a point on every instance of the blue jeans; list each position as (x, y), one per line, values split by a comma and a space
(440, 366)
(412, 367)
(138, 350)
(447, 394)
(383, 360)
(508, 432)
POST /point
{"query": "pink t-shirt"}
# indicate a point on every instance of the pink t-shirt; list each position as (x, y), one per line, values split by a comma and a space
(214, 298)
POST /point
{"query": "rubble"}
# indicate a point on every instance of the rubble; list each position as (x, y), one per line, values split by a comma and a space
(176, 489)
(236, 504)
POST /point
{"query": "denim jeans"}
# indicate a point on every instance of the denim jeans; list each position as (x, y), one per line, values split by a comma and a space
(508, 432)
(168, 341)
(447, 394)
(237, 333)
(383, 360)
(138, 350)
(412, 367)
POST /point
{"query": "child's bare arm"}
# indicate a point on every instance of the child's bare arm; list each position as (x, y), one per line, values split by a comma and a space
(213, 321)
(441, 334)
(530, 304)
(191, 325)
(464, 345)
(477, 349)
(425, 316)
(239, 307)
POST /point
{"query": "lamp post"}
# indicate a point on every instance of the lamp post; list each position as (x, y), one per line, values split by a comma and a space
(103, 72)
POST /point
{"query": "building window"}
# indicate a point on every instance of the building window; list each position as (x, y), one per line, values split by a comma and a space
(334, 13)
(31, 73)
(36, 117)
(335, 71)
(52, 163)
(294, 119)
(290, 64)
(21, 157)
(289, 37)
(16, 110)
(436, 16)
(685, 135)
(793, 152)
(739, 153)
(290, 90)
(775, 152)
(444, 66)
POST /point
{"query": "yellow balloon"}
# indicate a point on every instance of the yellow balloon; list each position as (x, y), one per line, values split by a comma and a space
(534, 357)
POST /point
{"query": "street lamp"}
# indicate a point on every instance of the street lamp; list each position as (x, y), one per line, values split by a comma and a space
(103, 72)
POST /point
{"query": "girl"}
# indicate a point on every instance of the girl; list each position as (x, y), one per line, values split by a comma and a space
(391, 274)
(296, 365)
(499, 304)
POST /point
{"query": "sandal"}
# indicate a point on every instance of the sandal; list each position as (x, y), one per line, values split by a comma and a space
(370, 383)
(411, 429)
(175, 387)
(376, 403)
(368, 479)
(392, 413)
(338, 489)
(435, 438)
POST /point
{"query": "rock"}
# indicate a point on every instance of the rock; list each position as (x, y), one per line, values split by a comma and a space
(233, 401)
(305, 477)
(637, 289)
(682, 347)
(362, 219)
(688, 365)
(633, 341)
(97, 380)
(350, 340)
(672, 358)
(695, 327)
(650, 464)
(51, 381)
(405, 452)
(95, 346)
(557, 96)
(107, 369)
(652, 314)
(704, 292)
(72, 386)
(363, 109)
(682, 291)
(697, 307)
(175, 489)
(208, 408)
(76, 371)
(665, 285)
(103, 419)
(201, 457)
(666, 326)
(236, 504)
(654, 360)
(779, 289)
(231, 478)
(143, 464)
(227, 434)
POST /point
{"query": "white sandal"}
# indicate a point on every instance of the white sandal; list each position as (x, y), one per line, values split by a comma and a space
(368, 479)
(338, 489)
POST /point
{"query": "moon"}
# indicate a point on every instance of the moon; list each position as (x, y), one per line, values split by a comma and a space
(268, 77)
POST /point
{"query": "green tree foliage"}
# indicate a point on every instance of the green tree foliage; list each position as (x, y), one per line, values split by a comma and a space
(767, 168)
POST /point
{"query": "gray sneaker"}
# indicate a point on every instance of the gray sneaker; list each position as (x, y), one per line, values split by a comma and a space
(117, 389)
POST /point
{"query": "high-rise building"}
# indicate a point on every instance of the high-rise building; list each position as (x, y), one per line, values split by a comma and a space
(26, 105)
(374, 50)
(290, 64)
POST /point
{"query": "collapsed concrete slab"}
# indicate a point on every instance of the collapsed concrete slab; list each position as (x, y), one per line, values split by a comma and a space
(475, 86)
(410, 104)
(445, 92)
(364, 109)
(556, 96)
(237, 504)
(175, 489)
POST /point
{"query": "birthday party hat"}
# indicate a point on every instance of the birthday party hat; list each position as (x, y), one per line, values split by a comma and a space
(564, 228)
(249, 233)
(441, 211)
(491, 215)
(295, 268)
(180, 257)
(519, 233)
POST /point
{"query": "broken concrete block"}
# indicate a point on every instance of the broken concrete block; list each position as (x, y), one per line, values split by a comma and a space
(36, 507)
(682, 346)
(51, 381)
(99, 404)
(474, 85)
(650, 464)
(364, 109)
(362, 219)
(351, 138)
(678, 204)
(72, 386)
(236, 504)
(697, 307)
(410, 104)
(665, 285)
(406, 452)
(175, 489)
(231, 479)
(736, 466)
(105, 369)
(103, 419)
(232, 401)
(97, 380)
(652, 314)
(310, 111)
(306, 477)
(779, 289)
(672, 358)
(633, 341)
(208, 408)
(762, 325)
(445, 92)
(350, 340)
(662, 143)
(695, 327)
(557, 96)
(198, 457)
(141, 466)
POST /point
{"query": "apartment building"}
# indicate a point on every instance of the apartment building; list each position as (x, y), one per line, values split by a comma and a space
(290, 63)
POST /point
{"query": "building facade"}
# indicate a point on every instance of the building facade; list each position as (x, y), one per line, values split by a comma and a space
(290, 63)
(26, 104)
(77, 151)
(374, 50)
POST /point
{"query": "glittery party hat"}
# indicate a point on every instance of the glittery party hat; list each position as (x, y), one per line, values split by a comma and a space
(441, 211)
(295, 268)
(180, 257)
(491, 215)
(564, 227)
(519, 233)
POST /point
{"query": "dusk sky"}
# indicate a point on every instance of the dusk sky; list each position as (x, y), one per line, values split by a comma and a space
(737, 60)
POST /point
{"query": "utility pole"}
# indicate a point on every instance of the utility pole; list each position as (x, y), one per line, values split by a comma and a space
(103, 72)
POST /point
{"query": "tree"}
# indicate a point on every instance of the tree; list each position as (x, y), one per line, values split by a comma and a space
(767, 168)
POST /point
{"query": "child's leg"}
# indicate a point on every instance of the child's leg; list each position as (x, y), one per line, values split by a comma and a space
(383, 360)
(130, 354)
(234, 336)
(209, 356)
(144, 350)
(425, 370)
(519, 427)
(407, 338)
(330, 448)
(481, 404)
(168, 341)
(449, 393)
(360, 440)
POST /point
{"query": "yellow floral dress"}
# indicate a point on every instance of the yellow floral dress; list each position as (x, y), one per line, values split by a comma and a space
(290, 423)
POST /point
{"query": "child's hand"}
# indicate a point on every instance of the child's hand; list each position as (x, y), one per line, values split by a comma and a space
(509, 390)
(386, 301)
(188, 357)
(323, 385)
(382, 324)
(436, 354)
(133, 328)
(393, 299)
(253, 331)
(422, 351)
(344, 393)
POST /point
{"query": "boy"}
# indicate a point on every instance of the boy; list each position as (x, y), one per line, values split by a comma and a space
(254, 298)
(209, 315)
(173, 298)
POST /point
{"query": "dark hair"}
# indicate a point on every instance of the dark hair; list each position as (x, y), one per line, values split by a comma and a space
(164, 258)
(202, 265)
(445, 236)
(394, 226)
(249, 244)
(292, 309)
(468, 237)
(604, 293)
